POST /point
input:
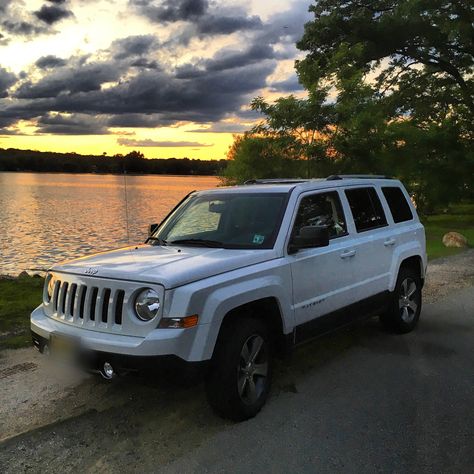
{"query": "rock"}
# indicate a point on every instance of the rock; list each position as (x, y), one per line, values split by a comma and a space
(454, 239)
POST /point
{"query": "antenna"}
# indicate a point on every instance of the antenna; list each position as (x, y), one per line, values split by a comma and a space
(126, 199)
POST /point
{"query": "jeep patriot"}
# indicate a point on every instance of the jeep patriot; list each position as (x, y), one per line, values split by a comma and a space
(234, 276)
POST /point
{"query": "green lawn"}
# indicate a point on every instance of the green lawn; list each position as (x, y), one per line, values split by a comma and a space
(18, 297)
(458, 218)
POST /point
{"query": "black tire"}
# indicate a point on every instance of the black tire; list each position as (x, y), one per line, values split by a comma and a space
(236, 387)
(404, 309)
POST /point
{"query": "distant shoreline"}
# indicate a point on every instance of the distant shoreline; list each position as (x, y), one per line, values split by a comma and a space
(114, 174)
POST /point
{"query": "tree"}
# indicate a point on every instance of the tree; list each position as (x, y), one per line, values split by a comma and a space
(418, 54)
(304, 124)
(252, 157)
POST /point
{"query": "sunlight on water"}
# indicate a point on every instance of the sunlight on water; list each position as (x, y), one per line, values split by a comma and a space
(47, 218)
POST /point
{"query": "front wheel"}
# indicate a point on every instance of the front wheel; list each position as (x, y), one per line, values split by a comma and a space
(240, 377)
(404, 309)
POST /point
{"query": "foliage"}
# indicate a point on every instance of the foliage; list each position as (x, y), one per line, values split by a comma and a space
(390, 90)
(418, 53)
(253, 156)
(458, 218)
(18, 297)
(134, 162)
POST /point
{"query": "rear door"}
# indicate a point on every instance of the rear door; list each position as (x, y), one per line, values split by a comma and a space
(372, 241)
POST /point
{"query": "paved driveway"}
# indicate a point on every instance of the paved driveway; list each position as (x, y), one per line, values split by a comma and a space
(360, 400)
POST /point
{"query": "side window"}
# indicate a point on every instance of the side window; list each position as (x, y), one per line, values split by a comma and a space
(398, 204)
(323, 209)
(366, 208)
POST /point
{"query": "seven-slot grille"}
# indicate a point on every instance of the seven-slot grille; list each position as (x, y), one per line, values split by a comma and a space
(88, 304)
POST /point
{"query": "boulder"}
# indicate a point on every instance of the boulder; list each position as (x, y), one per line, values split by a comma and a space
(454, 239)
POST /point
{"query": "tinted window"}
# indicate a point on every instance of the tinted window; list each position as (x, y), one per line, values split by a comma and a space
(366, 208)
(322, 209)
(397, 203)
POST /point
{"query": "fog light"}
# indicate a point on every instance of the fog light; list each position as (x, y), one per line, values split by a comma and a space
(107, 371)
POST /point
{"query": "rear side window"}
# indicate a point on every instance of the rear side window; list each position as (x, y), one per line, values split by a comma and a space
(366, 208)
(398, 204)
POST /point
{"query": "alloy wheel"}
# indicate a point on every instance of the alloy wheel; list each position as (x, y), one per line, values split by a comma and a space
(407, 301)
(253, 369)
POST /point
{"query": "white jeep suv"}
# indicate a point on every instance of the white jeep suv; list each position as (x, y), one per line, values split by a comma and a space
(234, 276)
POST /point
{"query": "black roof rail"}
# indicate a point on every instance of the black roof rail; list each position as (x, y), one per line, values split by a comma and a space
(335, 177)
(275, 181)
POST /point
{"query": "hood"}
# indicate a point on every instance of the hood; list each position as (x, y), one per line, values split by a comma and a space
(169, 266)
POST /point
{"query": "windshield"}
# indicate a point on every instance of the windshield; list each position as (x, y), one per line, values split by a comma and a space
(227, 220)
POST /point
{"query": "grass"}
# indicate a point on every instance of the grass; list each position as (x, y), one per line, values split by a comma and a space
(19, 296)
(458, 218)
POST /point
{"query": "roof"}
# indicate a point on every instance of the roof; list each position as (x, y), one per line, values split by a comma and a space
(288, 184)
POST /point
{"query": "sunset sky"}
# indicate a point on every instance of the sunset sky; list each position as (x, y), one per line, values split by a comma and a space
(171, 78)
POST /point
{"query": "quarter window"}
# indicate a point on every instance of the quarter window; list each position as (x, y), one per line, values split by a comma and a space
(323, 209)
(398, 204)
(366, 208)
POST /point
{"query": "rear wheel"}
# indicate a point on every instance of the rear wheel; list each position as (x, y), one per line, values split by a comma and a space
(404, 310)
(240, 377)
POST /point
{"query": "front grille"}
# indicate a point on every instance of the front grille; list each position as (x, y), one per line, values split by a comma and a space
(104, 305)
(82, 302)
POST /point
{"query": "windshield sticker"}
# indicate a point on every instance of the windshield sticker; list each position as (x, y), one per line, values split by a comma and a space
(258, 239)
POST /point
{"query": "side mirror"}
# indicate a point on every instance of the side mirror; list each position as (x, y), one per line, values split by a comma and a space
(152, 228)
(310, 237)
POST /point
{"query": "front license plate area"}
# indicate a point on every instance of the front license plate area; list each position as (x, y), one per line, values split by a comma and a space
(64, 347)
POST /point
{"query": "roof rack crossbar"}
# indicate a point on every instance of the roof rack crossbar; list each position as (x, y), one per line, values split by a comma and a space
(335, 177)
(275, 181)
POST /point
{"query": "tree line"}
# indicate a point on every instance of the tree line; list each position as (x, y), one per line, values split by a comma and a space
(12, 159)
(389, 90)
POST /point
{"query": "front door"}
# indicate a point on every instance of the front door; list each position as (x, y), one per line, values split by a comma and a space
(322, 277)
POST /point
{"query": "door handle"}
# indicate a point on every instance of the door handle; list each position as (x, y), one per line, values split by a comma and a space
(389, 242)
(348, 253)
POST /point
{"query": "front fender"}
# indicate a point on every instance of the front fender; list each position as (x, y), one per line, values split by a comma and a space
(213, 298)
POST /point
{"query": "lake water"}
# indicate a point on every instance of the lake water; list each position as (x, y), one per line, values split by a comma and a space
(47, 218)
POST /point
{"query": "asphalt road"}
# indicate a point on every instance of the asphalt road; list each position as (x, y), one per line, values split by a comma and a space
(360, 400)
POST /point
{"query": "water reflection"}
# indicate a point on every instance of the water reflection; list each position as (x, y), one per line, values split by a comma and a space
(47, 218)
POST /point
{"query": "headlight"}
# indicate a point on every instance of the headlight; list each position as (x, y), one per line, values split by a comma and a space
(147, 304)
(50, 288)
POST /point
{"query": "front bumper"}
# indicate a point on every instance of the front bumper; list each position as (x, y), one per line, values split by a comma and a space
(93, 361)
(159, 342)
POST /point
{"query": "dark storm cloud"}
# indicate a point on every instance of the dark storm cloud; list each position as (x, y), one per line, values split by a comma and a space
(152, 98)
(87, 78)
(224, 25)
(204, 20)
(163, 144)
(222, 127)
(288, 85)
(140, 92)
(133, 46)
(225, 59)
(50, 62)
(51, 14)
(57, 2)
(7, 79)
(15, 21)
(145, 64)
(71, 125)
(171, 10)
(138, 120)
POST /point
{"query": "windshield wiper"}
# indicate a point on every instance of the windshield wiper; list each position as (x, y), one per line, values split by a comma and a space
(203, 242)
(156, 239)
